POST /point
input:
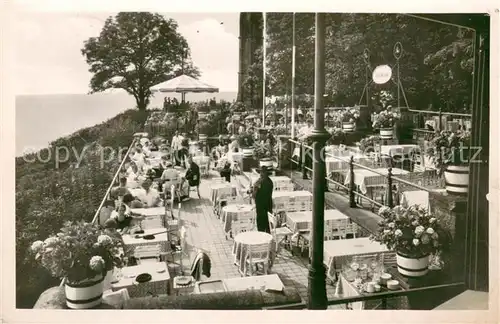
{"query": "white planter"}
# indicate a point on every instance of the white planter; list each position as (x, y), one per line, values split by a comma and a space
(202, 137)
(106, 284)
(386, 133)
(86, 294)
(266, 163)
(348, 127)
(247, 152)
(457, 179)
(411, 267)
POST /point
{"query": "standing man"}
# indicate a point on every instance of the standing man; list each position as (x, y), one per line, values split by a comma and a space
(177, 147)
(263, 196)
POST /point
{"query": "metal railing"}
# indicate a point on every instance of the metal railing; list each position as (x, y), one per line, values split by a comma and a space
(418, 127)
(351, 187)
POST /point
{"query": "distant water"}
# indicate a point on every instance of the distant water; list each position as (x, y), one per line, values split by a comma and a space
(41, 119)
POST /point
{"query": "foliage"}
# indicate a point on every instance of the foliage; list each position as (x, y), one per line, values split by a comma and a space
(411, 231)
(245, 140)
(135, 51)
(368, 144)
(337, 136)
(264, 150)
(79, 252)
(49, 194)
(435, 66)
(449, 147)
(350, 115)
(385, 119)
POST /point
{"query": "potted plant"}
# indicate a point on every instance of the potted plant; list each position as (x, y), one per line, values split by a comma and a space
(264, 153)
(82, 254)
(449, 151)
(385, 121)
(246, 143)
(348, 118)
(367, 144)
(413, 234)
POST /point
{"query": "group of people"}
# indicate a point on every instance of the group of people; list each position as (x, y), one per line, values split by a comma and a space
(146, 181)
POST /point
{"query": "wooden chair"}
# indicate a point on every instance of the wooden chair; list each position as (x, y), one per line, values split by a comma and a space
(147, 253)
(218, 180)
(231, 200)
(242, 225)
(173, 225)
(280, 234)
(351, 229)
(257, 255)
(169, 203)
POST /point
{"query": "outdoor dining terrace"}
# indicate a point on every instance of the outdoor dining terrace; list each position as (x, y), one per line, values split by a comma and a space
(220, 224)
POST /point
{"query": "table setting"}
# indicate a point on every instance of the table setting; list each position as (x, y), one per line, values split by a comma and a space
(243, 241)
(150, 278)
(232, 213)
(150, 236)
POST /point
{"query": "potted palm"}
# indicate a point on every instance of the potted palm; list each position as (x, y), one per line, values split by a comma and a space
(413, 234)
(385, 121)
(449, 151)
(349, 117)
(82, 254)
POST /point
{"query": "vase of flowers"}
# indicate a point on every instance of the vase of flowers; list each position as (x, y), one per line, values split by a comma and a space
(385, 121)
(337, 136)
(413, 234)
(368, 144)
(450, 153)
(349, 117)
(83, 255)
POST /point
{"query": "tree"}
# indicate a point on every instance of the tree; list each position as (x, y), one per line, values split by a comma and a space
(135, 51)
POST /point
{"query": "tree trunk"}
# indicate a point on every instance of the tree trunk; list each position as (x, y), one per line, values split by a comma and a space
(142, 102)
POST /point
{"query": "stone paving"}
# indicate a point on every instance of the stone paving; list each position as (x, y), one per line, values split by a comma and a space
(205, 232)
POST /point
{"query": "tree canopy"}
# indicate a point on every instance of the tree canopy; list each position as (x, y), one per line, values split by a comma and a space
(135, 51)
(435, 67)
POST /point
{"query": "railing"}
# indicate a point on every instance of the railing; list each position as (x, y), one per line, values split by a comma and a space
(419, 128)
(351, 188)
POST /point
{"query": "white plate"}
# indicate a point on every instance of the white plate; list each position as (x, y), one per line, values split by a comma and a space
(160, 270)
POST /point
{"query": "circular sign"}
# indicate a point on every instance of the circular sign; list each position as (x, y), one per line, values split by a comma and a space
(382, 74)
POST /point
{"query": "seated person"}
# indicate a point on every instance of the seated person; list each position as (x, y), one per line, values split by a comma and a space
(193, 175)
(133, 177)
(138, 157)
(121, 215)
(149, 197)
(106, 211)
(131, 202)
(226, 171)
(120, 190)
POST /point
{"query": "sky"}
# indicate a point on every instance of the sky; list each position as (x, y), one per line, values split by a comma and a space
(48, 58)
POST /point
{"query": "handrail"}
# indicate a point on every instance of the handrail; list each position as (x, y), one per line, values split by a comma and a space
(439, 113)
(96, 216)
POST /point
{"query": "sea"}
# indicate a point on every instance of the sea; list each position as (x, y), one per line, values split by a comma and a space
(41, 119)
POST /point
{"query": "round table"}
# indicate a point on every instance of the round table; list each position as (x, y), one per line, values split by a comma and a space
(244, 240)
(236, 212)
(222, 190)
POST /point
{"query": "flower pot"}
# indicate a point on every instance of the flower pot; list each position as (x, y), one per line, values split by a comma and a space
(386, 133)
(202, 138)
(266, 163)
(348, 127)
(85, 294)
(412, 267)
(457, 179)
(247, 152)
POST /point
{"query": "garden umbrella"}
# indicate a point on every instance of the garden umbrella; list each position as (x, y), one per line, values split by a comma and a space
(184, 84)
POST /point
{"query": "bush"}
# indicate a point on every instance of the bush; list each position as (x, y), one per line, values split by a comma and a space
(48, 195)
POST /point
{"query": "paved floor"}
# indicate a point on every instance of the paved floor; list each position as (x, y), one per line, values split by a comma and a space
(205, 232)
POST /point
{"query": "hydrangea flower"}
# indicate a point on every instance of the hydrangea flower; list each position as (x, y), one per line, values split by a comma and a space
(104, 239)
(96, 263)
(51, 241)
(398, 232)
(430, 231)
(37, 246)
(419, 230)
(432, 220)
(416, 242)
(425, 239)
(383, 210)
(392, 225)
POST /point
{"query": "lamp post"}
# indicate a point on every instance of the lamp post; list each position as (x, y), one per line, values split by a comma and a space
(317, 277)
(293, 76)
(397, 51)
(184, 50)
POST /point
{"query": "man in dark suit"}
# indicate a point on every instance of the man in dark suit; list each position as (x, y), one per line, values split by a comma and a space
(263, 196)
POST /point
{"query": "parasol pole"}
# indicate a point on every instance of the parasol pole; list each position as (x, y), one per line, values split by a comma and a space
(264, 52)
(293, 75)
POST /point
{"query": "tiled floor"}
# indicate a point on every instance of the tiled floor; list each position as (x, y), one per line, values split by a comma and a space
(205, 232)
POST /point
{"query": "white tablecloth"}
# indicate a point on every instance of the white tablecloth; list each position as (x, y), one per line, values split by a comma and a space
(417, 197)
(271, 281)
(364, 178)
(302, 221)
(398, 149)
(292, 200)
(220, 190)
(244, 240)
(231, 213)
(158, 285)
(130, 240)
(337, 251)
(335, 165)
